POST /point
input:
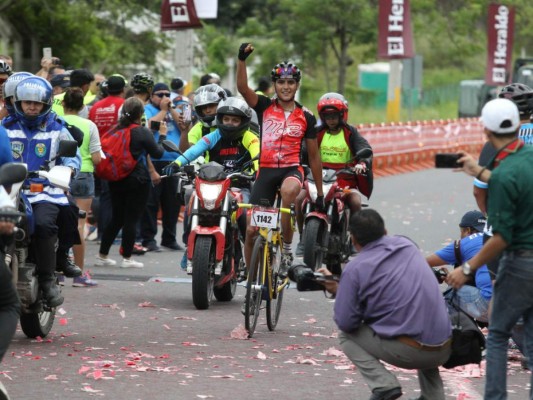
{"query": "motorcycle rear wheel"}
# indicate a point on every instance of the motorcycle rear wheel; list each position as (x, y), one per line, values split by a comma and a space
(38, 323)
(314, 238)
(226, 292)
(203, 272)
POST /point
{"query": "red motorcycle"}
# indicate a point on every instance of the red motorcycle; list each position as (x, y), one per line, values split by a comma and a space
(214, 247)
(325, 235)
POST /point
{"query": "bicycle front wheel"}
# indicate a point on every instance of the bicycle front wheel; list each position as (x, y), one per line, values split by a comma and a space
(277, 286)
(254, 286)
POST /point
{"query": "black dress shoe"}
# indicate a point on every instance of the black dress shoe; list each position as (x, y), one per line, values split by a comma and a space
(390, 394)
(69, 269)
(51, 293)
(172, 246)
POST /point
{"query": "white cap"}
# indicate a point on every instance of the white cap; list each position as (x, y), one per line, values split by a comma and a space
(500, 116)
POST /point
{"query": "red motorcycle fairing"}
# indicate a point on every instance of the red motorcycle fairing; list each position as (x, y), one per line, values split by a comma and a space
(218, 202)
(319, 215)
(207, 231)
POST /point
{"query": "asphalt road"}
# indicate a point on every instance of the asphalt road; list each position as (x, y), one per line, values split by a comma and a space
(138, 336)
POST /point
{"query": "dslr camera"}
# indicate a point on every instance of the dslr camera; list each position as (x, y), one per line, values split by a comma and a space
(308, 280)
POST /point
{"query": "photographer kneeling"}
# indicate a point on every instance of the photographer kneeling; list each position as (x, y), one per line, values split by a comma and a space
(389, 307)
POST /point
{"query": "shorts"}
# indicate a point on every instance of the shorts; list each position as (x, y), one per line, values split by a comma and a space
(270, 179)
(82, 186)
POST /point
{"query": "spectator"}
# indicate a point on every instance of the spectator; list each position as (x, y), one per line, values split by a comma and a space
(5, 72)
(510, 195)
(264, 87)
(129, 195)
(7, 59)
(92, 95)
(473, 298)
(210, 78)
(163, 195)
(82, 186)
(81, 78)
(389, 308)
(178, 88)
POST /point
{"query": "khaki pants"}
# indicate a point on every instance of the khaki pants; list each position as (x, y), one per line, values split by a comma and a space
(366, 349)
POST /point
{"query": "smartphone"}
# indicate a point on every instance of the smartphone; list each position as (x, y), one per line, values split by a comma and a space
(447, 160)
(187, 113)
(155, 125)
(47, 52)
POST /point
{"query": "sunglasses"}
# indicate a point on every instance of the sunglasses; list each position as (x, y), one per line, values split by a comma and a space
(161, 95)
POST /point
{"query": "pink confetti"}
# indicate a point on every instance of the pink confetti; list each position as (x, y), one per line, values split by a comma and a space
(89, 389)
(261, 356)
(311, 321)
(239, 332)
(51, 378)
(166, 327)
(83, 370)
(123, 314)
(146, 304)
(332, 351)
(97, 374)
(63, 321)
(186, 318)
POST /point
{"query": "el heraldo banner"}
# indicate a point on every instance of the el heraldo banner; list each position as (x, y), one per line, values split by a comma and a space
(500, 32)
(395, 39)
(179, 14)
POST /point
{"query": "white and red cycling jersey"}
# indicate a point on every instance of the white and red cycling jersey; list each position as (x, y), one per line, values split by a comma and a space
(282, 133)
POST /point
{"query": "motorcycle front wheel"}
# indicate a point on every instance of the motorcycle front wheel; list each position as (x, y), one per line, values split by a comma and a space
(203, 272)
(38, 323)
(314, 238)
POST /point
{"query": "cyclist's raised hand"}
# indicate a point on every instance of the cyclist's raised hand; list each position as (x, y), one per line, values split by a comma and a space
(245, 50)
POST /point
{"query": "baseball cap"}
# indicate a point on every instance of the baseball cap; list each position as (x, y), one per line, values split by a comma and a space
(160, 86)
(62, 80)
(473, 219)
(115, 84)
(500, 116)
(178, 83)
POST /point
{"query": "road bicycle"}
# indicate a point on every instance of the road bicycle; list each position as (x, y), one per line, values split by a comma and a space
(264, 283)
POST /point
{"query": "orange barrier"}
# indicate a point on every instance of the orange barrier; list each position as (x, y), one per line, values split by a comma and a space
(411, 146)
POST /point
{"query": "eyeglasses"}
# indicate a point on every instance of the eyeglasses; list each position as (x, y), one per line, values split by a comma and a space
(161, 95)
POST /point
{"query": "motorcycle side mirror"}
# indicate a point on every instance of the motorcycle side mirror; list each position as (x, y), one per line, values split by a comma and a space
(67, 148)
(11, 173)
(171, 146)
(364, 153)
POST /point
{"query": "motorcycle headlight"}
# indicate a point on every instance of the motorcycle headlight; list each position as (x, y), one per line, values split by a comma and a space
(313, 192)
(210, 193)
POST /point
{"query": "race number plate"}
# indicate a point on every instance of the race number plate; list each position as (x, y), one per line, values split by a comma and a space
(264, 218)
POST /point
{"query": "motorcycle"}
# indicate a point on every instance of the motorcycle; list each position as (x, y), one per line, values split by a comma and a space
(36, 317)
(325, 235)
(214, 247)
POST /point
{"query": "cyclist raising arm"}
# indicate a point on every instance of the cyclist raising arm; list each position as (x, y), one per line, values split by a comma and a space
(284, 124)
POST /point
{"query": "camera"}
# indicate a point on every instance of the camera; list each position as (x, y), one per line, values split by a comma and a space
(307, 280)
(155, 125)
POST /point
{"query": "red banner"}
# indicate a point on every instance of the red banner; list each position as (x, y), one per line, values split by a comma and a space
(179, 14)
(395, 39)
(500, 34)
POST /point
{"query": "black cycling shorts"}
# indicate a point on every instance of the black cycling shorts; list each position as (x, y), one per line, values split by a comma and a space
(270, 179)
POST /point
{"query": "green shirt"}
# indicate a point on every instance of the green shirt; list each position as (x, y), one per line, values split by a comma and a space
(510, 199)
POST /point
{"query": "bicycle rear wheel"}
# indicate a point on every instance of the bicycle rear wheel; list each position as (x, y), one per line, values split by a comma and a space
(255, 281)
(273, 306)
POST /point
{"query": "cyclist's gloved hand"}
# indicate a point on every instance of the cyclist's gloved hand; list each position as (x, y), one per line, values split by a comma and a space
(243, 54)
(320, 203)
(171, 169)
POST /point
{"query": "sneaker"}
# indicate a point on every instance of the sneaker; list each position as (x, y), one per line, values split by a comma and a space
(183, 262)
(61, 281)
(300, 249)
(131, 263)
(84, 281)
(104, 262)
(173, 246)
(92, 234)
(286, 262)
(152, 247)
(138, 250)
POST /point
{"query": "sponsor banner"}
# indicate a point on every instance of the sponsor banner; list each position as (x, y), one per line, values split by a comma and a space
(395, 37)
(500, 32)
(179, 14)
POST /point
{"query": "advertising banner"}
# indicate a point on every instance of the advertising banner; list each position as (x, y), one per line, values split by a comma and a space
(395, 37)
(500, 32)
(179, 14)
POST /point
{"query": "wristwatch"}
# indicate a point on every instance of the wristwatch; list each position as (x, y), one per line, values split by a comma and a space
(467, 270)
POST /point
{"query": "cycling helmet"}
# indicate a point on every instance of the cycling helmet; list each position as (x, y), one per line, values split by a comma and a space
(142, 83)
(331, 103)
(204, 95)
(9, 86)
(5, 68)
(286, 70)
(33, 88)
(233, 106)
(521, 95)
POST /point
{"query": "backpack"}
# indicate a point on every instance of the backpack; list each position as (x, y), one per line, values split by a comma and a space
(119, 161)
